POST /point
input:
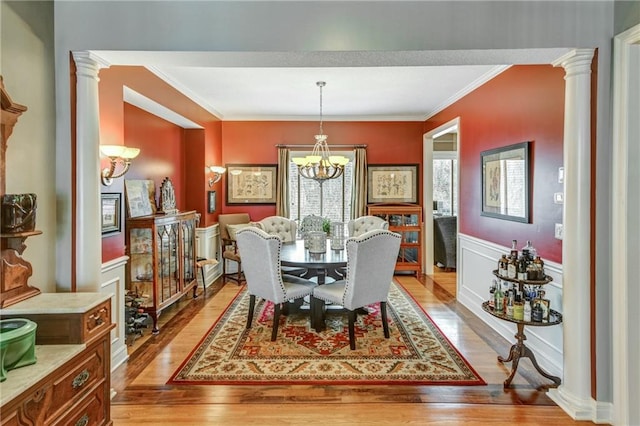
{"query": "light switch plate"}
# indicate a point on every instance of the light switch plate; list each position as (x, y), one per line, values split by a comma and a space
(560, 174)
(559, 231)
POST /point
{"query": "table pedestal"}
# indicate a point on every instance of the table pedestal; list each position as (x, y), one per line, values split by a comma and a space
(520, 350)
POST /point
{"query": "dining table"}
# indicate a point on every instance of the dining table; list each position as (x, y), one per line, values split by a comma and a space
(323, 267)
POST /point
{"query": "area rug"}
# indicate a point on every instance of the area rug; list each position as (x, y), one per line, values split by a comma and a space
(417, 353)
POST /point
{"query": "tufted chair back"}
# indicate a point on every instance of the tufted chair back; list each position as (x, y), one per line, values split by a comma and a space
(371, 260)
(281, 226)
(261, 257)
(359, 226)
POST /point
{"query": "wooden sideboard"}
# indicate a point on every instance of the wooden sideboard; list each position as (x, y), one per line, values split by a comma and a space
(70, 383)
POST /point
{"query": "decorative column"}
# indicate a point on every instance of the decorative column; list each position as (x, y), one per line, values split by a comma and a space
(574, 395)
(88, 246)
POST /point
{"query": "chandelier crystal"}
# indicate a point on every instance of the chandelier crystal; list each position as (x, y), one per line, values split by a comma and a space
(320, 165)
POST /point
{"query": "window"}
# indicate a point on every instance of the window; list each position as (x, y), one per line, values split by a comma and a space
(333, 202)
(445, 183)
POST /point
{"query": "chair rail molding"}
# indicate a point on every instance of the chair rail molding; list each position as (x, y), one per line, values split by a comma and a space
(112, 280)
(208, 246)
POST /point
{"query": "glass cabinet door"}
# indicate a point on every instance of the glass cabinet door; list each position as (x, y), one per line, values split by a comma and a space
(141, 270)
(168, 266)
(188, 249)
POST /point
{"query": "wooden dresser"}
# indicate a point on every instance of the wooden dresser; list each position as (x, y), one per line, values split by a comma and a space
(70, 382)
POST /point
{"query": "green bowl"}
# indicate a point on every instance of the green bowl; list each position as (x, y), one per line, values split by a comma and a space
(17, 344)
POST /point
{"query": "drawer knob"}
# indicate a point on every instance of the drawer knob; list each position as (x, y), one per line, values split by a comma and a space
(80, 379)
(83, 421)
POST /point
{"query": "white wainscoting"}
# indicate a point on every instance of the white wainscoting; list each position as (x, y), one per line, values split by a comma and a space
(113, 281)
(477, 259)
(208, 246)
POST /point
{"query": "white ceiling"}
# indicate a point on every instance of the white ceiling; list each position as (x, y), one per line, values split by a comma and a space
(360, 86)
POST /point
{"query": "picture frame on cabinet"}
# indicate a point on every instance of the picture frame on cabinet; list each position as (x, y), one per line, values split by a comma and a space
(110, 208)
(251, 183)
(506, 182)
(392, 183)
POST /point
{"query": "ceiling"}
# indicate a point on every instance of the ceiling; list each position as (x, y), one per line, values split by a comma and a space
(360, 86)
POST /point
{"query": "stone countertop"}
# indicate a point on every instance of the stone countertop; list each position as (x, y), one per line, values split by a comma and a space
(56, 303)
(48, 359)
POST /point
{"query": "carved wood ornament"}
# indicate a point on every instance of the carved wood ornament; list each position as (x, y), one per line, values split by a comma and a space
(15, 270)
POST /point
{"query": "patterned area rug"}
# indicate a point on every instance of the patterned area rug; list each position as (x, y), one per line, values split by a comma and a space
(417, 353)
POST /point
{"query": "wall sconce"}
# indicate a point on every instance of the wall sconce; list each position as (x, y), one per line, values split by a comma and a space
(217, 171)
(117, 154)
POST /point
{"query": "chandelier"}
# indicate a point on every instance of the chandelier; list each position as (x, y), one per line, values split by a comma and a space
(320, 165)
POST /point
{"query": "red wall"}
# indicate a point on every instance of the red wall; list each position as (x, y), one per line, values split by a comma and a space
(162, 152)
(183, 159)
(254, 142)
(524, 103)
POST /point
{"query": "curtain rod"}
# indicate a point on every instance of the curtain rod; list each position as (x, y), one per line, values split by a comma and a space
(312, 145)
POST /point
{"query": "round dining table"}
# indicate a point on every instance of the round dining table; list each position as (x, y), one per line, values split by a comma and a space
(319, 265)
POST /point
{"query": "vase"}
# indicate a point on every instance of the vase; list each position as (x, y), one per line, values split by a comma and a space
(317, 242)
(18, 213)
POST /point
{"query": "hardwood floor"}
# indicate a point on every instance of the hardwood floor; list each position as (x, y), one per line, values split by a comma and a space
(144, 398)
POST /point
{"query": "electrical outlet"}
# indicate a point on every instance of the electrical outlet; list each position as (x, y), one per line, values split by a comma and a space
(558, 198)
(559, 231)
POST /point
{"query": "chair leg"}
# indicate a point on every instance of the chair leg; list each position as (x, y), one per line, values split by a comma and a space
(385, 324)
(352, 331)
(276, 321)
(252, 304)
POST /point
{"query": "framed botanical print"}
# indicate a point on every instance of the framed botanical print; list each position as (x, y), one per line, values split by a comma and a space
(251, 183)
(392, 183)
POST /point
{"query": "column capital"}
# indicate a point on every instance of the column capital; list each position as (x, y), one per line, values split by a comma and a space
(88, 65)
(575, 62)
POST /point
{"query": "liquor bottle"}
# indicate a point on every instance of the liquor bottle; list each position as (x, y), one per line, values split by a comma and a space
(510, 304)
(536, 313)
(492, 295)
(527, 310)
(518, 309)
(514, 248)
(522, 268)
(499, 299)
(502, 266)
(530, 251)
(512, 268)
(539, 266)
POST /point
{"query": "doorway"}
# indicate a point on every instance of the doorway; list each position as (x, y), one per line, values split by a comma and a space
(441, 188)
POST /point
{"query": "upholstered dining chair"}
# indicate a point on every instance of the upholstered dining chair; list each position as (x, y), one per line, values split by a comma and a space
(362, 224)
(261, 256)
(287, 230)
(229, 224)
(371, 260)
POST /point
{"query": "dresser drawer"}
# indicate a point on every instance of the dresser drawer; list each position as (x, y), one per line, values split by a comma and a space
(78, 380)
(90, 411)
(96, 320)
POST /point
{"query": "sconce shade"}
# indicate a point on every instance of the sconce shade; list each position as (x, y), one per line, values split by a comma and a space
(118, 154)
(217, 171)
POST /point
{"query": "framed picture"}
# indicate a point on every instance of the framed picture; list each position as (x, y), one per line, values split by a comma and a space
(506, 182)
(211, 201)
(110, 207)
(141, 197)
(251, 183)
(392, 183)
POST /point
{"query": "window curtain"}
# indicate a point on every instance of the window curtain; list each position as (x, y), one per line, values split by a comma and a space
(282, 183)
(359, 190)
